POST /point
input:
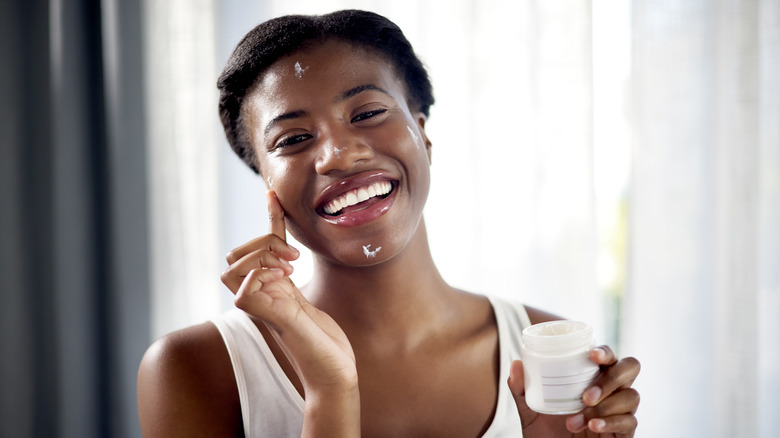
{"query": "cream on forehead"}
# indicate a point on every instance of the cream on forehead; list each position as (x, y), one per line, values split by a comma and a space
(299, 71)
(369, 253)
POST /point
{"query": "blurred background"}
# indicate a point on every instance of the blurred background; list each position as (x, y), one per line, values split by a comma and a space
(614, 161)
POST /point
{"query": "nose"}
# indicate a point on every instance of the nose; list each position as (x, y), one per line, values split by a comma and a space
(340, 150)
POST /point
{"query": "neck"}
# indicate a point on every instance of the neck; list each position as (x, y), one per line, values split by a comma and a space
(399, 297)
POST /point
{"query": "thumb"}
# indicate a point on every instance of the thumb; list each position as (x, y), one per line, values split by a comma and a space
(276, 220)
(516, 384)
(516, 379)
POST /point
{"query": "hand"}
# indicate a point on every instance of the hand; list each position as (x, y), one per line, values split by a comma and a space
(610, 400)
(316, 346)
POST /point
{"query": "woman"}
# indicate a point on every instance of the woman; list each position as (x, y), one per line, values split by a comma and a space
(331, 111)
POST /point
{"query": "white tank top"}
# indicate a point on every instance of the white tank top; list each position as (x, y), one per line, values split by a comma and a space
(271, 406)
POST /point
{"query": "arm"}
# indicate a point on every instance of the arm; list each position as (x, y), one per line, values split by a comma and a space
(186, 387)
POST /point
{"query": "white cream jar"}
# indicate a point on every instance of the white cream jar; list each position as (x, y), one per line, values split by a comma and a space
(557, 365)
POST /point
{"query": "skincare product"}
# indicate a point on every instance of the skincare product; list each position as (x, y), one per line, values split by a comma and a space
(557, 366)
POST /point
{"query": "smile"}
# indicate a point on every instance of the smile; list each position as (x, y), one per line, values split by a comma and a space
(357, 197)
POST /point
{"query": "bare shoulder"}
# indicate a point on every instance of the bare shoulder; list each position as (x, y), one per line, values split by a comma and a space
(537, 315)
(186, 386)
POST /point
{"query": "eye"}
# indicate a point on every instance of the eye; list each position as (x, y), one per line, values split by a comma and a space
(291, 140)
(365, 115)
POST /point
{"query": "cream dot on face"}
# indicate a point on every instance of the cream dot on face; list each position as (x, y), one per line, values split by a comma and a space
(369, 253)
(299, 71)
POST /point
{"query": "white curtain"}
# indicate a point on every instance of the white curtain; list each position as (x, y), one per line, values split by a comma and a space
(704, 297)
(613, 161)
(183, 137)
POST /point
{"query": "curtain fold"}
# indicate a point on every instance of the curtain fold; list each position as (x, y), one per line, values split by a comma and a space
(768, 326)
(26, 274)
(74, 257)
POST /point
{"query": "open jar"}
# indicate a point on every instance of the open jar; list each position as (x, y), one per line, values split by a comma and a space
(557, 366)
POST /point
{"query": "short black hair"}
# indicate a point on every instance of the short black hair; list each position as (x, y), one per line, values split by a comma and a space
(278, 37)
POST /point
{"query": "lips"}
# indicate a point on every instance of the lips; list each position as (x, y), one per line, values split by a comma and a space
(357, 200)
(354, 197)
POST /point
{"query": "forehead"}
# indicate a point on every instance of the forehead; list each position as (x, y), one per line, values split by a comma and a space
(322, 68)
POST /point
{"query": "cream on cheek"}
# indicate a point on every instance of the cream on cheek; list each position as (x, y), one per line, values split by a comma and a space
(415, 137)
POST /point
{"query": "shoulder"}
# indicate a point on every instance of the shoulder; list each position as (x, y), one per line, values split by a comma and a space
(186, 386)
(514, 307)
(538, 316)
(197, 350)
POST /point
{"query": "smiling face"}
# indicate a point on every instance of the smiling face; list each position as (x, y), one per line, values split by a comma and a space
(349, 160)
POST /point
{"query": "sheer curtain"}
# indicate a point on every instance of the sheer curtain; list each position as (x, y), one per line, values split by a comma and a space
(183, 161)
(704, 298)
(612, 161)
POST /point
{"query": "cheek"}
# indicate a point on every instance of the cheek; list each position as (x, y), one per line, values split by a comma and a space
(284, 176)
(279, 177)
(415, 136)
(276, 172)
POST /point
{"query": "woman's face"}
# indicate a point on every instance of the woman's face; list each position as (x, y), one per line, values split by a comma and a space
(336, 140)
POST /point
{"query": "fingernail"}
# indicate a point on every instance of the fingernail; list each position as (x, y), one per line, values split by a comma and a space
(592, 395)
(597, 424)
(576, 422)
(600, 353)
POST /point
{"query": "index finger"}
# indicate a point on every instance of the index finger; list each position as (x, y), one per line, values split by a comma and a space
(615, 374)
(276, 224)
(603, 355)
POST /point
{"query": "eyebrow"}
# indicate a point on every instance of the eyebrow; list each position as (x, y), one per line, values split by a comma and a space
(344, 96)
(283, 117)
(359, 89)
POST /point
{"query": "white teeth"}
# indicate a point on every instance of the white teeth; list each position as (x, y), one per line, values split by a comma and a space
(362, 195)
(357, 196)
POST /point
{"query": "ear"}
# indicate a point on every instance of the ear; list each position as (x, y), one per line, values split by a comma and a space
(421, 119)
